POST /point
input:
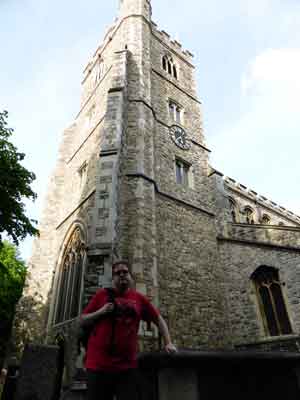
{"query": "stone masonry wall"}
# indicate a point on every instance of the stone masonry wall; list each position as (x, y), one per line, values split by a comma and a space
(191, 293)
(239, 262)
(276, 235)
(189, 275)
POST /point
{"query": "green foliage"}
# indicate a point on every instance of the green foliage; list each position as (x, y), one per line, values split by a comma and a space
(15, 181)
(12, 278)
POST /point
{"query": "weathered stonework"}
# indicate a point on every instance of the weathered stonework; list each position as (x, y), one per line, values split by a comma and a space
(116, 182)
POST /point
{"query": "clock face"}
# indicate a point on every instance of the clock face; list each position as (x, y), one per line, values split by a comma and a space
(179, 137)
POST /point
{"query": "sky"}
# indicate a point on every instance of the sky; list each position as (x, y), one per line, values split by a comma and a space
(247, 54)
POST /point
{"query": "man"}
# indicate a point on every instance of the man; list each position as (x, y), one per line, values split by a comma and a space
(111, 358)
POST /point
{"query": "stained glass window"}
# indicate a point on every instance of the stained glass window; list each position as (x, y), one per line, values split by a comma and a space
(270, 296)
(70, 279)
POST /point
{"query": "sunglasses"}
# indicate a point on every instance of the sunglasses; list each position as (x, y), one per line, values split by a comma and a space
(121, 271)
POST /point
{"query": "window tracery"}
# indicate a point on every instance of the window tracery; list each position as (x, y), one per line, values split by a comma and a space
(265, 220)
(99, 69)
(249, 214)
(271, 301)
(70, 278)
(233, 210)
(169, 66)
(175, 112)
(82, 173)
(182, 171)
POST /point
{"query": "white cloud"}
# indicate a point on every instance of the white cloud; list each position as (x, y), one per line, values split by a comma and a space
(255, 8)
(276, 66)
(273, 83)
(262, 142)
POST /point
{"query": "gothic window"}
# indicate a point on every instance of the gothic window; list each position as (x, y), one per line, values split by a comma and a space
(233, 210)
(164, 63)
(90, 117)
(249, 214)
(174, 72)
(82, 172)
(265, 220)
(169, 66)
(271, 301)
(182, 172)
(70, 278)
(99, 69)
(175, 112)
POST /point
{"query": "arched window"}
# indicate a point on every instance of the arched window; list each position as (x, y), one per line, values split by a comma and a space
(249, 214)
(70, 278)
(265, 220)
(233, 210)
(174, 72)
(169, 66)
(99, 68)
(270, 297)
(175, 112)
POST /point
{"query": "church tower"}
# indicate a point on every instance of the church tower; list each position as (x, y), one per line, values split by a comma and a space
(132, 182)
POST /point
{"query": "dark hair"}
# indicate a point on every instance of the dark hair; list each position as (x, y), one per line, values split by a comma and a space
(121, 262)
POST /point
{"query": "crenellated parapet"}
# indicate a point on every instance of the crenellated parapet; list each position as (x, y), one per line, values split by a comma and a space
(246, 199)
(138, 7)
(173, 44)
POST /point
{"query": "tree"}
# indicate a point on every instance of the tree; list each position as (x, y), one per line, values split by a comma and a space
(15, 181)
(12, 279)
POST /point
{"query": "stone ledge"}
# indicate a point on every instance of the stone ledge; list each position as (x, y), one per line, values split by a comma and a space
(191, 358)
(177, 86)
(258, 244)
(168, 196)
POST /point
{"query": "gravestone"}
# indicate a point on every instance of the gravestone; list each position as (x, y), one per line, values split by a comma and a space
(40, 373)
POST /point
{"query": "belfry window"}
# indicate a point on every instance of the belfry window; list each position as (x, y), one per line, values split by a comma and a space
(169, 66)
(271, 301)
(182, 172)
(174, 72)
(175, 112)
(164, 63)
(70, 279)
(82, 172)
(99, 69)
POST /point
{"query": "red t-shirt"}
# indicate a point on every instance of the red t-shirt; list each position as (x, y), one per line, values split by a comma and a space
(132, 307)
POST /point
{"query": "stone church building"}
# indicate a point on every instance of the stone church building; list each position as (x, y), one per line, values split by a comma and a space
(133, 181)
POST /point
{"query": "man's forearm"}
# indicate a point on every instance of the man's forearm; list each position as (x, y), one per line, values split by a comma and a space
(89, 319)
(163, 329)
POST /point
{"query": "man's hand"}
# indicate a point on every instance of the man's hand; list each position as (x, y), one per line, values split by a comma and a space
(171, 348)
(106, 309)
(163, 328)
(93, 317)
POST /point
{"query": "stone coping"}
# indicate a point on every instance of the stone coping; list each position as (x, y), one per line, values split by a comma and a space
(198, 359)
